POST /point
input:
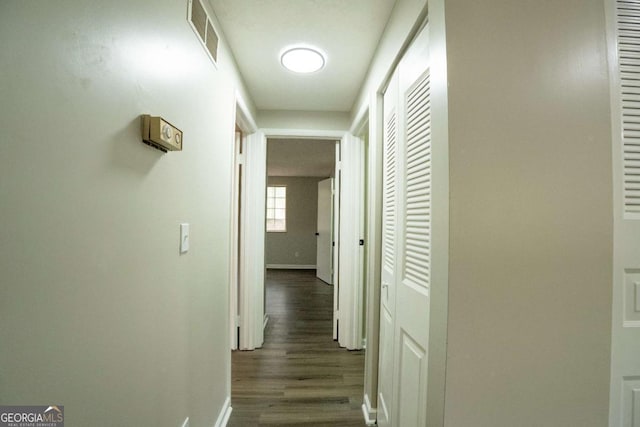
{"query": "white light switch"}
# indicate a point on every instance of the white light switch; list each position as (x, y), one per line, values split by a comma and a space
(184, 238)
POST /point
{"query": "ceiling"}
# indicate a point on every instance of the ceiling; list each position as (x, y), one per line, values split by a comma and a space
(348, 32)
(300, 157)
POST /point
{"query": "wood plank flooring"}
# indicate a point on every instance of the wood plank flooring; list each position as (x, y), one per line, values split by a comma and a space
(300, 376)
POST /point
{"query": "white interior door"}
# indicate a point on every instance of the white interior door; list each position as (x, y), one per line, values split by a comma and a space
(388, 274)
(414, 282)
(351, 243)
(252, 236)
(324, 240)
(625, 356)
(407, 243)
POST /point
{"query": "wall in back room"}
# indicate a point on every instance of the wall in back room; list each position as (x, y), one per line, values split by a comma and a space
(297, 246)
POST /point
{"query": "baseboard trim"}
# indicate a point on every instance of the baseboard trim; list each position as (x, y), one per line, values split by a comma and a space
(368, 412)
(290, 267)
(225, 414)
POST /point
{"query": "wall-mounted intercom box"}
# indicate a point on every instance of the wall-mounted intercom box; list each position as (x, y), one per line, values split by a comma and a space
(161, 134)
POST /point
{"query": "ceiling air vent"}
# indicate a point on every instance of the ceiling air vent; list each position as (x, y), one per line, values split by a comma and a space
(202, 26)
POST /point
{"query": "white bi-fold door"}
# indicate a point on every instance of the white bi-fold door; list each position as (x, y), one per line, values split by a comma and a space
(407, 241)
(625, 342)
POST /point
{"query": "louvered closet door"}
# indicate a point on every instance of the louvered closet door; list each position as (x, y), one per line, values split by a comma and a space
(414, 231)
(389, 253)
(406, 243)
(625, 360)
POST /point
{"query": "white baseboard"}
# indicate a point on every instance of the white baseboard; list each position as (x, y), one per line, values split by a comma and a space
(225, 413)
(368, 412)
(290, 267)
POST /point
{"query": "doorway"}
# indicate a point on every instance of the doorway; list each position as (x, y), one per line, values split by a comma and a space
(300, 373)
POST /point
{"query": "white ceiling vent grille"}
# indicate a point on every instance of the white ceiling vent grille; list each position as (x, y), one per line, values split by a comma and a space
(201, 24)
(628, 23)
(417, 231)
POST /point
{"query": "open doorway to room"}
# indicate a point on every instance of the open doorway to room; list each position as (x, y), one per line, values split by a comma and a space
(300, 373)
(295, 168)
(299, 244)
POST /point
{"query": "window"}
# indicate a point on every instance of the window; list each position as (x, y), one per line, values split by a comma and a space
(276, 209)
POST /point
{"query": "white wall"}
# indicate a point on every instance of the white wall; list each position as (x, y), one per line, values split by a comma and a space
(405, 17)
(98, 311)
(298, 245)
(306, 120)
(531, 214)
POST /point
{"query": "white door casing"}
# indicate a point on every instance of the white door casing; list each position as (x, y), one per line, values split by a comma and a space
(252, 262)
(336, 243)
(234, 271)
(243, 121)
(324, 238)
(407, 241)
(624, 63)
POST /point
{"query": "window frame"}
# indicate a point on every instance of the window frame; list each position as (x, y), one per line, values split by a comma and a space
(275, 198)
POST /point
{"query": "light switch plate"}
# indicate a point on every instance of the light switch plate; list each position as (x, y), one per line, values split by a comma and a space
(184, 238)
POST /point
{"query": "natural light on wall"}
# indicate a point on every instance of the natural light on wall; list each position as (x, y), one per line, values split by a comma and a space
(302, 59)
(276, 209)
(151, 58)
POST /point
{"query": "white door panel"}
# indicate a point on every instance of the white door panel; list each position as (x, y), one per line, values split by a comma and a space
(252, 235)
(625, 344)
(412, 322)
(324, 230)
(412, 392)
(385, 360)
(389, 255)
(350, 257)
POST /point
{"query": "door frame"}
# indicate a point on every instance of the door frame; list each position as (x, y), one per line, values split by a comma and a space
(336, 240)
(243, 119)
(348, 321)
(368, 116)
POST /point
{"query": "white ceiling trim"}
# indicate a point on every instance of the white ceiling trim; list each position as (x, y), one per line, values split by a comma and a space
(304, 134)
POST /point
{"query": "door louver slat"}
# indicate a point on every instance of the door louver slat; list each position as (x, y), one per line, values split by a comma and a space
(628, 34)
(417, 229)
(389, 197)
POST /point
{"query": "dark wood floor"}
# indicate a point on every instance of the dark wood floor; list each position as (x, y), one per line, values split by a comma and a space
(300, 376)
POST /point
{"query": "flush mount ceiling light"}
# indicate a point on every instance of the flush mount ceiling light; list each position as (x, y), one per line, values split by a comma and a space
(302, 60)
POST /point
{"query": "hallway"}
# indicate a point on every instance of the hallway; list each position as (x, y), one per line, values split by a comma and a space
(300, 376)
